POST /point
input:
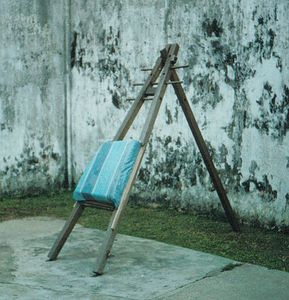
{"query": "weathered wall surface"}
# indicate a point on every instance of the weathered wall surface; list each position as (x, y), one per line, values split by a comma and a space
(238, 85)
(32, 97)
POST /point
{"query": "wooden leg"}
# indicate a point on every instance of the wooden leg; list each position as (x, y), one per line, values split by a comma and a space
(138, 102)
(159, 93)
(65, 232)
(145, 135)
(109, 229)
(105, 251)
(106, 246)
(204, 151)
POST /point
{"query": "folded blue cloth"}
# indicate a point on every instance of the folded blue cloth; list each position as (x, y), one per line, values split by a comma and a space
(106, 176)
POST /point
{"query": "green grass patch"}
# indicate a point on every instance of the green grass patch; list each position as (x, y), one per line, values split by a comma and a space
(191, 230)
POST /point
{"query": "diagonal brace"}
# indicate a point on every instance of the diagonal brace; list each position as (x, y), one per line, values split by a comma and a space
(204, 151)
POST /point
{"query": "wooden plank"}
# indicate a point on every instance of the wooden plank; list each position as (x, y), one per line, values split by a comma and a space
(127, 190)
(98, 204)
(111, 232)
(180, 67)
(107, 244)
(104, 252)
(170, 59)
(132, 113)
(65, 232)
(204, 152)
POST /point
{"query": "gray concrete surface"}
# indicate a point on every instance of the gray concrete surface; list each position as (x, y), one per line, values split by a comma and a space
(244, 282)
(138, 269)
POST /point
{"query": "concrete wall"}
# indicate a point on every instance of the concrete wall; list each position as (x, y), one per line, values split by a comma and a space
(68, 67)
(237, 83)
(32, 96)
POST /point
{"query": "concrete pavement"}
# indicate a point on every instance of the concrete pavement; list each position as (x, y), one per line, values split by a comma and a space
(139, 268)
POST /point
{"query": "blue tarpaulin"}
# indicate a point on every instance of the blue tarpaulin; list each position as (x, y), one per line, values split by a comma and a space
(106, 176)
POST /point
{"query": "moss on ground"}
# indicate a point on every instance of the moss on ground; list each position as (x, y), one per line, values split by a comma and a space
(191, 230)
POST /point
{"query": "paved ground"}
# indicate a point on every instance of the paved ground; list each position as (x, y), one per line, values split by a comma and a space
(139, 269)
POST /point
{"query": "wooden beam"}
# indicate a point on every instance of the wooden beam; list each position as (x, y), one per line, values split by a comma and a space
(66, 230)
(132, 113)
(170, 59)
(160, 90)
(204, 152)
(106, 246)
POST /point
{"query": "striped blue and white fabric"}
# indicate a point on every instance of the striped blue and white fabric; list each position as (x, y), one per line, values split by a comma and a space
(106, 176)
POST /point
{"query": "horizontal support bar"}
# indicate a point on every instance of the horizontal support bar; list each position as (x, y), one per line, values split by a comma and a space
(174, 67)
(97, 204)
(145, 99)
(146, 69)
(179, 67)
(156, 83)
(174, 82)
(141, 84)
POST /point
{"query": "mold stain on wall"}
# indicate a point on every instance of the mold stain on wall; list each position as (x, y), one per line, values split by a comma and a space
(232, 50)
(31, 98)
(104, 65)
(221, 64)
(236, 84)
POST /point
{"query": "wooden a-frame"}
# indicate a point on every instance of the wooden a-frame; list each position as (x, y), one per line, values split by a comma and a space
(165, 71)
